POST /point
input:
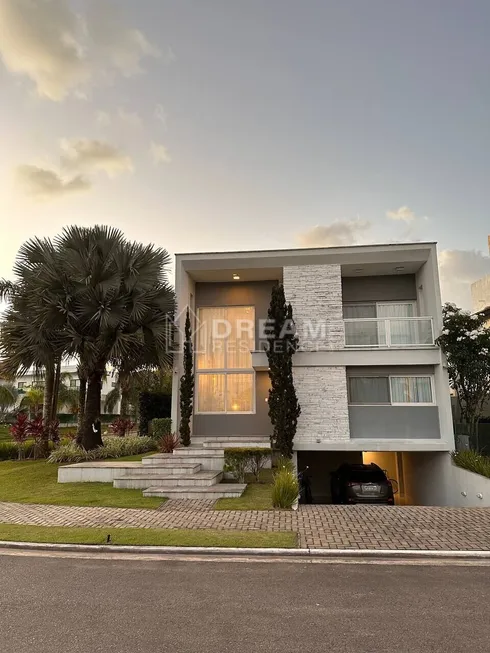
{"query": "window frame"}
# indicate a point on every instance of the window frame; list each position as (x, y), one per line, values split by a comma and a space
(396, 376)
(225, 371)
(250, 372)
(412, 302)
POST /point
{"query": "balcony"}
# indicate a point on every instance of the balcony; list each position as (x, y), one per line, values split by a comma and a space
(392, 332)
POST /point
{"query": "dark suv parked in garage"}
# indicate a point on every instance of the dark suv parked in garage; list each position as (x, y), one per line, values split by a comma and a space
(361, 484)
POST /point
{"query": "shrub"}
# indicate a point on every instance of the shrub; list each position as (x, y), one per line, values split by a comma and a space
(67, 418)
(472, 461)
(114, 447)
(283, 462)
(168, 443)
(10, 450)
(161, 426)
(239, 460)
(258, 459)
(285, 489)
(121, 426)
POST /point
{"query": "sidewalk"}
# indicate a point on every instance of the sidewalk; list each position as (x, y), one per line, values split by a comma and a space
(331, 527)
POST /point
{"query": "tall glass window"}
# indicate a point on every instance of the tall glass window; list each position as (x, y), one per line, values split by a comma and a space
(224, 342)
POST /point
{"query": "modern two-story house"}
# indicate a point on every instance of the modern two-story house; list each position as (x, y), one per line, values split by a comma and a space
(371, 382)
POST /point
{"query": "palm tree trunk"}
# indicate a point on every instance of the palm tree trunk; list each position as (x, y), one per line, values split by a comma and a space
(124, 404)
(49, 383)
(48, 391)
(56, 389)
(91, 431)
(82, 396)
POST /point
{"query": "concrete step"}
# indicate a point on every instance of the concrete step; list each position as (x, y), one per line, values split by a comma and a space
(222, 490)
(236, 440)
(208, 461)
(199, 480)
(213, 444)
(170, 466)
(197, 450)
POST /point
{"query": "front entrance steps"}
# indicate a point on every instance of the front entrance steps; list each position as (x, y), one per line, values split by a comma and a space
(193, 472)
(163, 477)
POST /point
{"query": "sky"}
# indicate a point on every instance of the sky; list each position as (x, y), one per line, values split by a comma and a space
(207, 125)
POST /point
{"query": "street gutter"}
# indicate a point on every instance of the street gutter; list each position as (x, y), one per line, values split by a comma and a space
(243, 551)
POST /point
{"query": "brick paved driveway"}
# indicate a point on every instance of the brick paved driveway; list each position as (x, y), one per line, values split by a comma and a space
(334, 527)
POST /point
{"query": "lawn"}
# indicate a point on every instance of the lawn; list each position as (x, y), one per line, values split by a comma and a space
(37, 482)
(146, 536)
(4, 433)
(257, 496)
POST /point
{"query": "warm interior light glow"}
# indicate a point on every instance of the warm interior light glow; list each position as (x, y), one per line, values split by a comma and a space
(236, 277)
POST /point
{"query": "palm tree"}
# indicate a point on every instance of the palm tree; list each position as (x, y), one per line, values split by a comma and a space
(25, 340)
(33, 400)
(8, 397)
(131, 383)
(68, 397)
(94, 296)
(117, 305)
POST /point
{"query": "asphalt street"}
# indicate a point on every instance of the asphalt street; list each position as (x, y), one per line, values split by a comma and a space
(63, 605)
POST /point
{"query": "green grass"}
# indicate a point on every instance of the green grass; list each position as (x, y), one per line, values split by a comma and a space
(146, 536)
(257, 496)
(37, 482)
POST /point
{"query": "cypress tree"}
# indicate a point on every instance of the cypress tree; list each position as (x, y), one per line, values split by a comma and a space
(284, 408)
(186, 386)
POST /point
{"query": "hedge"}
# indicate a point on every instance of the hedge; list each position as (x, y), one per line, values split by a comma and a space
(161, 426)
(239, 460)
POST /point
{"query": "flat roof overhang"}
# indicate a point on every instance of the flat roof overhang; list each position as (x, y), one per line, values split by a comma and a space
(359, 260)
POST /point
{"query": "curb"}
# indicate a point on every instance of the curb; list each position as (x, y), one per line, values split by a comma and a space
(262, 552)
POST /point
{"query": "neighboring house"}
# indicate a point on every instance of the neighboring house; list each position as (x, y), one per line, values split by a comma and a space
(31, 378)
(371, 382)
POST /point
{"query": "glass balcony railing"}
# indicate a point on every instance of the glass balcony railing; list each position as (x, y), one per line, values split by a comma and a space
(389, 332)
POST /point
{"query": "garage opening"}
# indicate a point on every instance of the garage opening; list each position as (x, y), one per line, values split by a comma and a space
(322, 463)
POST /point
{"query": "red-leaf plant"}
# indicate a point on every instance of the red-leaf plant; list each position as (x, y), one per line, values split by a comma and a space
(19, 432)
(122, 426)
(36, 429)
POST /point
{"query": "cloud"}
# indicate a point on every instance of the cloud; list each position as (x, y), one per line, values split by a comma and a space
(78, 158)
(403, 213)
(85, 155)
(63, 52)
(159, 154)
(335, 234)
(121, 47)
(45, 184)
(458, 269)
(40, 40)
(125, 118)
